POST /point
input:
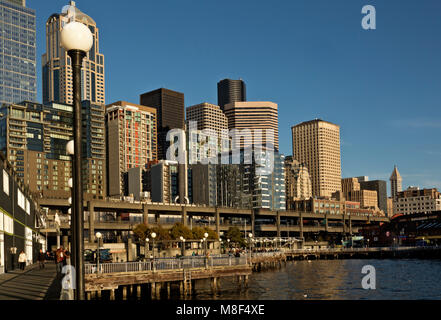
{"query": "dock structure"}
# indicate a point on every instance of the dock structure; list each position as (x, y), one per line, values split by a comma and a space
(148, 280)
(427, 252)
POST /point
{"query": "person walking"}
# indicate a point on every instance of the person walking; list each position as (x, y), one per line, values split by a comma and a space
(41, 259)
(60, 256)
(22, 260)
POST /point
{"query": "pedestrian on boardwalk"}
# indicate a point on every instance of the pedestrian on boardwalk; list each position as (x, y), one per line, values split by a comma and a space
(59, 259)
(22, 260)
(41, 259)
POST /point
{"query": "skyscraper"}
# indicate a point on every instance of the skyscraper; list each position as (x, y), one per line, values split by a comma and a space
(34, 137)
(396, 183)
(229, 91)
(18, 52)
(170, 113)
(251, 116)
(212, 120)
(381, 187)
(131, 136)
(56, 64)
(317, 144)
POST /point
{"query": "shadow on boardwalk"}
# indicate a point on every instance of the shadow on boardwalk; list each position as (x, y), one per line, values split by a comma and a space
(31, 284)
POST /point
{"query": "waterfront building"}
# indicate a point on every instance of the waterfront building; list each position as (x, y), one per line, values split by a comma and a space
(56, 64)
(230, 91)
(297, 181)
(205, 184)
(20, 219)
(164, 177)
(18, 78)
(396, 183)
(413, 200)
(211, 131)
(380, 187)
(251, 117)
(352, 191)
(34, 137)
(390, 207)
(170, 112)
(132, 141)
(258, 184)
(317, 144)
(319, 205)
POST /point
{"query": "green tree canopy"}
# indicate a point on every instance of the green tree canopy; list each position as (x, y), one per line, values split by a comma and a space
(235, 236)
(179, 230)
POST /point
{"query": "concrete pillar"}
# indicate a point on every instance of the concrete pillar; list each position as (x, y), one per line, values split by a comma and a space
(350, 225)
(168, 290)
(184, 216)
(129, 249)
(145, 214)
(99, 294)
(278, 224)
(153, 290)
(88, 296)
(301, 225)
(253, 220)
(213, 285)
(65, 242)
(90, 208)
(58, 240)
(217, 217)
(112, 294)
(181, 288)
(158, 291)
(326, 222)
(245, 281)
(124, 292)
(138, 291)
(157, 218)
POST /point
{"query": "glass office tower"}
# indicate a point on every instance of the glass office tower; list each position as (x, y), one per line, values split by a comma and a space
(17, 52)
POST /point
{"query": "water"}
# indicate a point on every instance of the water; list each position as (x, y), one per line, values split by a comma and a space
(335, 280)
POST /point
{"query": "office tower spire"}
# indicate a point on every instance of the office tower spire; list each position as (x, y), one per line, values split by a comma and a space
(56, 64)
(17, 53)
(396, 183)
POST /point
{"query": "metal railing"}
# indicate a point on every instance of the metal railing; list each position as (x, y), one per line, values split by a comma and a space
(372, 249)
(166, 264)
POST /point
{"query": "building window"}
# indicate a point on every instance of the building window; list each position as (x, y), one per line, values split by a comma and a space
(5, 182)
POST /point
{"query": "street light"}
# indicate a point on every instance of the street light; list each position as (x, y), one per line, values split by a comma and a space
(250, 235)
(183, 242)
(98, 236)
(146, 248)
(153, 244)
(77, 40)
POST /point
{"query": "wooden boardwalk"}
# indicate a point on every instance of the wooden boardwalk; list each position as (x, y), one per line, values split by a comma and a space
(31, 284)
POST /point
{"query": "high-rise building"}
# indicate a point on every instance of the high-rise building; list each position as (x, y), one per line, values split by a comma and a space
(131, 135)
(56, 64)
(396, 183)
(34, 138)
(256, 185)
(352, 191)
(170, 113)
(257, 124)
(413, 200)
(297, 182)
(229, 91)
(381, 187)
(209, 118)
(18, 79)
(317, 144)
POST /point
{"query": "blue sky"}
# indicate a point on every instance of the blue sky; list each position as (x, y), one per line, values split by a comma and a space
(312, 57)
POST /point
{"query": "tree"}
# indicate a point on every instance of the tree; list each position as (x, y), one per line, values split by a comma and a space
(198, 233)
(141, 231)
(179, 230)
(235, 235)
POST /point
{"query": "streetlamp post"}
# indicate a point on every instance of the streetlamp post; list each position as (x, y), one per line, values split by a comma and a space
(77, 40)
(146, 248)
(250, 236)
(153, 250)
(182, 245)
(228, 240)
(98, 236)
(206, 249)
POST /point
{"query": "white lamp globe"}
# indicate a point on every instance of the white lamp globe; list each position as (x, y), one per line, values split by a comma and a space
(76, 36)
(70, 148)
(205, 235)
(69, 200)
(98, 235)
(70, 183)
(153, 235)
